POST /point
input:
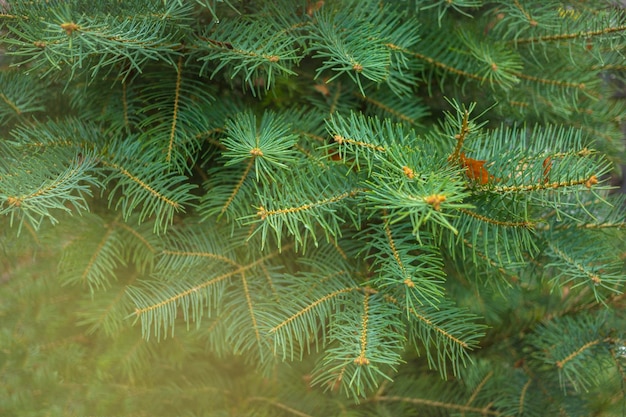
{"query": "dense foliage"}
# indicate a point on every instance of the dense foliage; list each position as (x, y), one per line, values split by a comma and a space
(311, 208)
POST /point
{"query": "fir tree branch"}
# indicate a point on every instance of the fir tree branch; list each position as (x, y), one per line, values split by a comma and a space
(264, 214)
(433, 233)
(478, 388)
(573, 355)
(179, 75)
(107, 312)
(430, 324)
(594, 277)
(493, 264)
(558, 83)
(208, 255)
(587, 182)
(341, 140)
(251, 308)
(311, 306)
(237, 187)
(438, 64)
(460, 137)
(568, 36)
(92, 259)
(362, 358)
(11, 104)
(137, 235)
(523, 224)
(531, 21)
(161, 313)
(387, 109)
(279, 405)
(125, 103)
(522, 397)
(143, 185)
(90, 264)
(485, 411)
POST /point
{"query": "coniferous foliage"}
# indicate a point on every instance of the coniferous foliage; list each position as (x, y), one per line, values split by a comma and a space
(311, 208)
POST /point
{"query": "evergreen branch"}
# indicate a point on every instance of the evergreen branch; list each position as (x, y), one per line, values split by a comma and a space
(430, 324)
(498, 227)
(91, 262)
(281, 406)
(345, 52)
(439, 232)
(237, 187)
(93, 258)
(125, 103)
(244, 53)
(310, 307)
(107, 313)
(175, 298)
(369, 338)
(252, 47)
(587, 182)
(367, 137)
(230, 190)
(493, 264)
(137, 235)
(362, 358)
(610, 215)
(246, 292)
(11, 104)
(522, 397)
(589, 264)
(53, 38)
(180, 295)
(447, 68)
(20, 95)
(452, 339)
(405, 109)
(207, 255)
(33, 195)
(326, 206)
(594, 277)
(392, 245)
(568, 36)
(387, 109)
(573, 355)
(49, 188)
(408, 270)
(429, 200)
(498, 64)
(143, 185)
(270, 144)
(478, 388)
(504, 223)
(264, 214)
(179, 76)
(176, 141)
(461, 136)
(531, 21)
(558, 83)
(341, 140)
(485, 411)
(70, 136)
(605, 225)
(579, 357)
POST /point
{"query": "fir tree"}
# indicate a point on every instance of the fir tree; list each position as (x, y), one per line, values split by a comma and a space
(311, 208)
